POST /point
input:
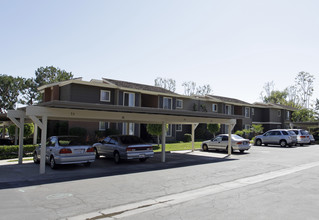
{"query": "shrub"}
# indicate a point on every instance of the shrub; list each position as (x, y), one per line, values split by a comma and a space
(240, 133)
(187, 137)
(9, 152)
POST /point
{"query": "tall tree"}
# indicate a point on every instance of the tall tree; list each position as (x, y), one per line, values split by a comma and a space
(47, 75)
(169, 84)
(190, 88)
(304, 82)
(276, 97)
(303, 115)
(268, 88)
(9, 92)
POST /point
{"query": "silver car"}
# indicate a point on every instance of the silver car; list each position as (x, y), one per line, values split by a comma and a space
(280, 137)
(65, 150)
(124, 147)
(302, 136)
(220, 142)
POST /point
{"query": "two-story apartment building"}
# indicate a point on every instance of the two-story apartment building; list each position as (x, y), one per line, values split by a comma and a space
(272, 116)
(129, 96)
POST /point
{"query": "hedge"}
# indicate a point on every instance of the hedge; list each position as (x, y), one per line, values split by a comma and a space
(11, 151)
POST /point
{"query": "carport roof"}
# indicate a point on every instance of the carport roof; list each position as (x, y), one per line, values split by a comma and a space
(143, 114)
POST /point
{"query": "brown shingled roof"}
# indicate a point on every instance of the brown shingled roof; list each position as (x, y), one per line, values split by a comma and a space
(138, 86)
(227, 99)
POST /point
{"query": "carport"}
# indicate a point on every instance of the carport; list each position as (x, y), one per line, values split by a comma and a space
(61, 110)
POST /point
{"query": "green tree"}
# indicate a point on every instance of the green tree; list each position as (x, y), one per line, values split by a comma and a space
(213, 128)
(257, 129)
(28, 130)
(9, 92)
(29, 92)
(303, 115)
(47, 75)
(155, 129)
(276, 97)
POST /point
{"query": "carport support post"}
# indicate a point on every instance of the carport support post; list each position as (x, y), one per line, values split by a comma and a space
(194, 126)
(229, 139)
(163, 140)
(43, 143)
(16, 135)
(21, 132)
(230, 128)
(35, 133)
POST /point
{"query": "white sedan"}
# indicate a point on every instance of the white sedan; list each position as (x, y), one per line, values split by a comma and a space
(221, 143)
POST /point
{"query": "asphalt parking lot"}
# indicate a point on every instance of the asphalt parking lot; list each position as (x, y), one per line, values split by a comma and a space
(27, 174)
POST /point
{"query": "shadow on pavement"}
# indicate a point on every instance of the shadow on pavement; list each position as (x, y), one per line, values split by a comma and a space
(27, 174)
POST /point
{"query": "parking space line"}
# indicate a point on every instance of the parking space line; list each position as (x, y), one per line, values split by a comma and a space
(173, 199)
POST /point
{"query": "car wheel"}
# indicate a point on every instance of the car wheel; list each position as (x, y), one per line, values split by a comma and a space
(87, 164)
(205, 147)
(142, 159)
(241, 151)
(52, 163)
(301, 144)
(35, 158)
(97, 155)
(232, 150)
(258, 142)
(283, 143)
(117, 157)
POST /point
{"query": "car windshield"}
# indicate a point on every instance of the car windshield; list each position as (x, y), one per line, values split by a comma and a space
(295, 131)
(131, 140)
(292, 133)
(303, 132)
(70, 141)
(236, 137)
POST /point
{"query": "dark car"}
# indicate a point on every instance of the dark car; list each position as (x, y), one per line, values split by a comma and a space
(124, 147)
(5, 141)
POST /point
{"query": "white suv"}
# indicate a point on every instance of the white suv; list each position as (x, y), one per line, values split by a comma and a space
(280, 137)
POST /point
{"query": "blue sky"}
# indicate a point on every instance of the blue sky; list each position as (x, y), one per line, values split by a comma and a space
(234, 46)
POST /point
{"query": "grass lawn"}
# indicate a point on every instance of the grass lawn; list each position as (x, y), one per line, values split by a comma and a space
(177, 146)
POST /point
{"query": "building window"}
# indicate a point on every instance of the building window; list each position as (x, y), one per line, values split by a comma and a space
(288, 115)
(279, 113)
(179, 127)
(169, 131)
(129, 99)
(179, 103)
(128, 128)
(228, 109)
(214, 107)
(167, 103)
(252, 111)
(247, 127)
(247, 112)
(103, 125)
(105, 96)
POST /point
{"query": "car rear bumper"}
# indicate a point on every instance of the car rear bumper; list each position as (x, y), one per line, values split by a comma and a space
(73, 159)
(139, 155)
(239, 147)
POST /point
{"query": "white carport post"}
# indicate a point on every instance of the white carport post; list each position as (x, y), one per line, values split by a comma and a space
(43, 126)
(16, 135)
(194, 126)
(35, 134)
(13, 114)
(230, 128)
(163, 141)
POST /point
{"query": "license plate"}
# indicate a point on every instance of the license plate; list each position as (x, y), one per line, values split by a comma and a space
(141, 156)
(245, 142)
(78, 151)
